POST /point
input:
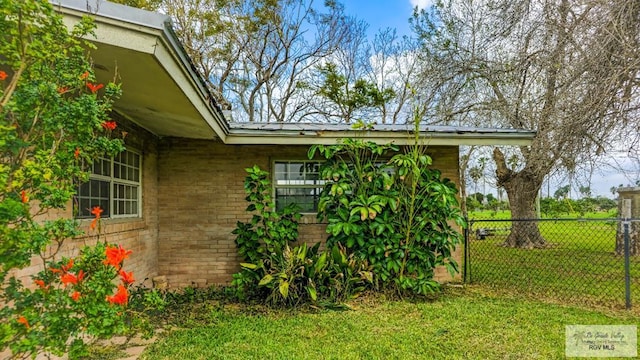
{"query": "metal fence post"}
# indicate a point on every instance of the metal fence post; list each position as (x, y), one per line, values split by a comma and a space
(627, 271)
(466, 252)
(626, 216)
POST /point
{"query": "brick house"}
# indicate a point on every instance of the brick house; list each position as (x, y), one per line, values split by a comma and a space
(177, 192)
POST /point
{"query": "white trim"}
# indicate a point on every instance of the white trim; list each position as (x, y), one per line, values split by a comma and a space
(113, 181)
(274, 185)
(281, 137)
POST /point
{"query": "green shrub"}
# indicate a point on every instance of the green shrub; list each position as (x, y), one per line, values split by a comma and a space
(268, 230)
(302, 275)
(54, 121)
(390, 209)
(289, 276)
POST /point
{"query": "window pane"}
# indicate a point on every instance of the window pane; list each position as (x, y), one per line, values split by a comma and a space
(83, 207)
(90, 194)
(297, 183)
(106, 167)
(103, 192)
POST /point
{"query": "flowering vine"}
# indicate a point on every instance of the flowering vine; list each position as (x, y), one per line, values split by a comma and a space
(94, 87)
(109, 125)
(48, 88)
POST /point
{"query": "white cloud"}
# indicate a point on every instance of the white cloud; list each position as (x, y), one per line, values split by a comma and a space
(421, 4)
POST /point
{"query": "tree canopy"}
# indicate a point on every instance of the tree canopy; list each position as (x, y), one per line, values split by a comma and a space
(567, 69)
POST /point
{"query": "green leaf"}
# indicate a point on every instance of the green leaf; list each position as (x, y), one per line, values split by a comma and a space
(312, 293)
(320, 263)
(249, 266)
(284, 288)
(265, 280)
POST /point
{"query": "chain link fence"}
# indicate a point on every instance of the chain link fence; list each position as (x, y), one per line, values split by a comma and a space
(579, 260)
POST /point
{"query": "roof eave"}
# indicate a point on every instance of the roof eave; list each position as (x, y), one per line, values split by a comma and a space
(140, 27)
(281, 137)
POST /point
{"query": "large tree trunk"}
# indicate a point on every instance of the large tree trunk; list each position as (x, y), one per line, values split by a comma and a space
(522, 188)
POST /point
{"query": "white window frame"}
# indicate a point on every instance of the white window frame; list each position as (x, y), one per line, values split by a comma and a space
(275, 185)
(113, 182)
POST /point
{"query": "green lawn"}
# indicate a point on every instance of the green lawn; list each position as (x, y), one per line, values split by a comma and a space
(506, 214)
(461, 324)
(579, 264)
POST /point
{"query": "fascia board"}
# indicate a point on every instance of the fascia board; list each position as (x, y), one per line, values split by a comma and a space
(380, 137)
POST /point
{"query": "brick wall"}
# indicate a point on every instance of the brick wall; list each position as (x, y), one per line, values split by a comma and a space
(138, 235)
(201, 197)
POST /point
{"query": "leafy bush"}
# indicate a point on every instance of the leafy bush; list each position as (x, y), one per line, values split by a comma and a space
(390, 209)
(73, 298)
(268, 230)
(301, 275)
(54, 120)
(284, 275)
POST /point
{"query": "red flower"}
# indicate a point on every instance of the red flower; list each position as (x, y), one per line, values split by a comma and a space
(75, 296)
(62, 89)
(121, 297)
(116, 255)
(67, 267)
(3, 75)
(93, 224)
(109, 125)
(40, 283)
(96, 211)
(76, 153)
(69, 278)
(94, 87)
(84, 75)
(24, 197)
(23, 320)
(127, 277)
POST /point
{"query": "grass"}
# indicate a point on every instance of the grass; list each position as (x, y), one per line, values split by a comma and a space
(579, 264)
(506, 214)
(461, 324)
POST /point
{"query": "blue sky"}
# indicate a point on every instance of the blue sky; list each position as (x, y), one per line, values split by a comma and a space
(381, 14)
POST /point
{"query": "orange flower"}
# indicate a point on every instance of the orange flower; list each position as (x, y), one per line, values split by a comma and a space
(3, 75)
(23, 320)
(62, 89)
(93, 224)
(94, 87)
(127, 277)
(109, 125)
(121, 297)
(116, 255)
(96, 211)
(70, 278)
(67, 267)
(84, 75)
(75, 296)
(76, 153)
(40, 283)
(24, 197)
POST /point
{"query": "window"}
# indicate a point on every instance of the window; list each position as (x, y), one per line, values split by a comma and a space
(298, 182)
(114, 185)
